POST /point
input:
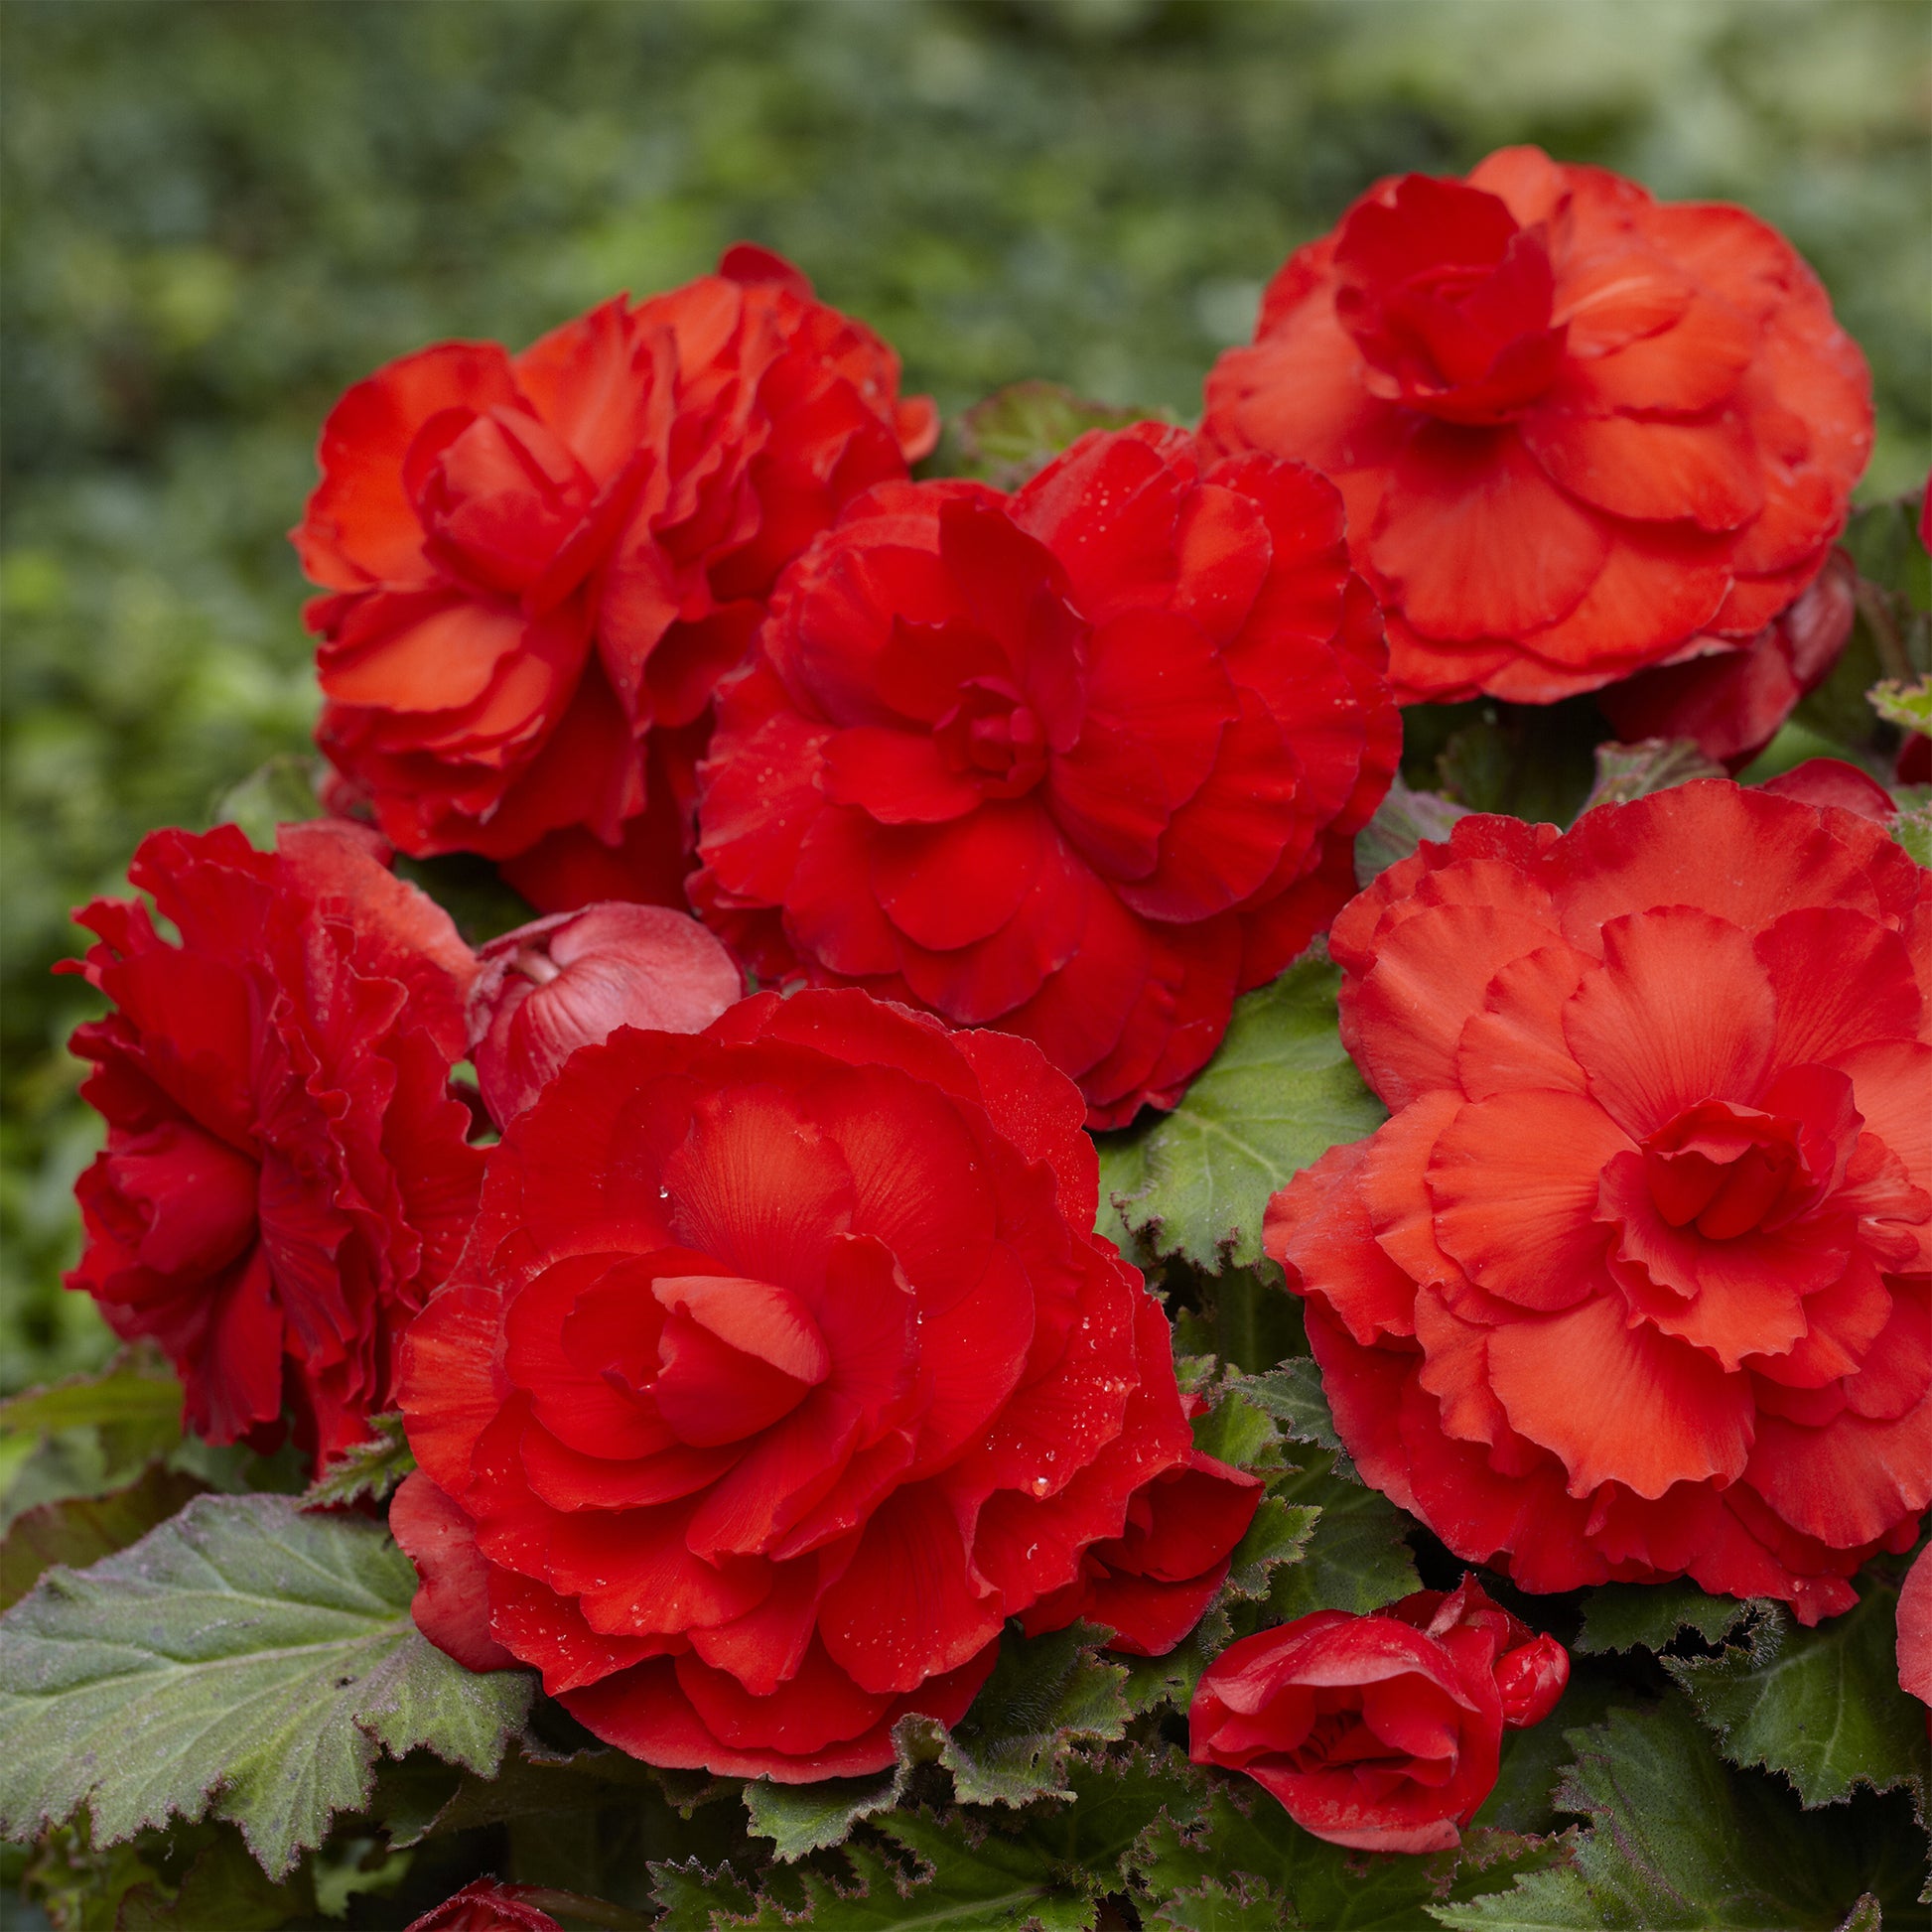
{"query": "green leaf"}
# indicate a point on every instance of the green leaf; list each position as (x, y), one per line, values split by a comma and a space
(1651, 1616)
(135, 1402)
(1680, 1839)
(1247, 1319)
(1243, 1856)
(696, 1900)
(1292, 1394)
(281, 790)
(81, 1530)
(1280, 1092)
(1533, 762)
(803, 1818)
(1357, 1558)
(1823, 1706)
(950, 1880)
(1400, 822)
(1533, 1760)
(371, 1468)
(424, 1798)
(1628, 772)
(223, 1887)
(1017, 431)
(243, 1658)
(1045, 1695)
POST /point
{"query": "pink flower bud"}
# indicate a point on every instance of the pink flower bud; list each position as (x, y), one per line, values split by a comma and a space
(571, 980)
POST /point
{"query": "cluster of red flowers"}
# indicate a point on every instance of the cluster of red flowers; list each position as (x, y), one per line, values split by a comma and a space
(768, 1363)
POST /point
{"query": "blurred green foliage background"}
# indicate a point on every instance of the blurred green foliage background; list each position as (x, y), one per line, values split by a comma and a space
(216, 216)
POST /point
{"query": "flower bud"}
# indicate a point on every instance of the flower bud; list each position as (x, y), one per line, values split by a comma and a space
(1530, 1680)
(572, 979)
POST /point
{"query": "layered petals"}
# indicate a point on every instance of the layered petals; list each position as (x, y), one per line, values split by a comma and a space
(769, 1344)
(1580, 433)
(287, 1175)
(1081, 763)
(535, 563)
(1632, 1285)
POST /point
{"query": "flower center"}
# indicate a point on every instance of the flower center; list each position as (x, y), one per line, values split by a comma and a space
(1727, 1170)
(733, 1356)
(1450, 302)
(994, 735)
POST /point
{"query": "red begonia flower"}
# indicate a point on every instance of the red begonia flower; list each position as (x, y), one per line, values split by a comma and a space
(1916, 1632)
(1381, 1733)
(1580, 432)
(488, 1905)
(538, 566)
(1082, 762)
(286, 1175)
(572, 979)
(780, 1369)
(1634, 1284)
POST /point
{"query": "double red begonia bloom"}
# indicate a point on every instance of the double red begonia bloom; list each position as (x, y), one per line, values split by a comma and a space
(1634, 1284)
(1381, 1733)
(1580, 432)
(572, 979)
(1082, 762)
(286, 1175)
(780, 1369)
(488, 1905)
(538, 566)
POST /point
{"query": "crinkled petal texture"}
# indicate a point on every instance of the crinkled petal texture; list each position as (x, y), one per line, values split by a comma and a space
(1081, 763)
(780, 1369)
(535, 566)
(1581, 432)
(1380, 1732)
(287, 1175)
(1634, 1283)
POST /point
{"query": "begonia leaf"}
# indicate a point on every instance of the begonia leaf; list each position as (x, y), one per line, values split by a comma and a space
(1651, 1616)
(1045, 1695)
(223, 1887)
(134, 1401)
(1294, 1396)
(1533, 762)
(1679, 1838)
(1628, 772)
(1534, 1758)
(243, 1659)
(947, 1877)
(1017, 431)
(1280, 1092)
(80, 1530)
(423, 1798)
(1243, 1856)
(1247, 1319)
(369, 1468)
(1356, 1559)
(803, 1818)
(1823, 1706)
(1401, 821)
